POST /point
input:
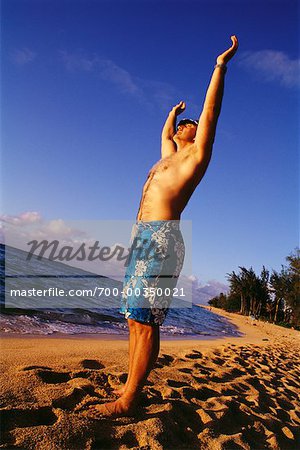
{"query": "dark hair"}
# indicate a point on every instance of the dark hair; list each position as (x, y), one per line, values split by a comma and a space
(184, 121)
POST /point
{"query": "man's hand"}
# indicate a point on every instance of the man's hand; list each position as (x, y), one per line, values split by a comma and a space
(168, 146)
(178, 109)
(228, 54)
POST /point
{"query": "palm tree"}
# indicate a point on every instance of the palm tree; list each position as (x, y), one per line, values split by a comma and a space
(293, 286)
(269, 294)
(238, 287)
(279, 285)
(253, 290)
(264, 294)
(269, 309)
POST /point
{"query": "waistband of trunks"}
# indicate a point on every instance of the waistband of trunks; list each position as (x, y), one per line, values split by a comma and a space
(157, 224)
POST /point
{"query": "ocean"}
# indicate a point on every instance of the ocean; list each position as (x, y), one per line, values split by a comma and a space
(84, 318)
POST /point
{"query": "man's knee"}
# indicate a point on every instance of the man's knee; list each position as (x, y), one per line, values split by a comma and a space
(143, 328)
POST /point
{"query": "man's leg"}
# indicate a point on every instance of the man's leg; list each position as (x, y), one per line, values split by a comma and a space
(132, 341)
(143, 361)
(145, 354)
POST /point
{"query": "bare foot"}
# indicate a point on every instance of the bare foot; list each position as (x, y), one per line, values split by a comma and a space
(113, 409)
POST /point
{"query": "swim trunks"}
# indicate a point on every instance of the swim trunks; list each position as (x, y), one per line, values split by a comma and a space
(154, 265)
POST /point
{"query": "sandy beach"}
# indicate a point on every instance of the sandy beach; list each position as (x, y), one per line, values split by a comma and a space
(231, 393)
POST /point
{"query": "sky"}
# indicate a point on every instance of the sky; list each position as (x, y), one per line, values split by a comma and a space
(87, 85)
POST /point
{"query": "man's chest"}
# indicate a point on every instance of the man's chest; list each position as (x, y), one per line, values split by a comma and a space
(176, 166)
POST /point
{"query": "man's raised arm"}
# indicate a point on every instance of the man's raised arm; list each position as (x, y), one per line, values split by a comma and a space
(168, 146)
(212, 106)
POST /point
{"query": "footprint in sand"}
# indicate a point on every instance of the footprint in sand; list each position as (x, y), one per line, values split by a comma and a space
(203, 370)
(36, 367)
(229, 417)
(91, 364)
(189, 420)
(82, 373)
(194, 355)
(21, 418)
(164, 360)
(177, 384)
(82, 384)
(185, 370)
(52, 377)
(70, 400)
(284, 404)
(227, 376)
(200, 380)
(205, 393)
(218, 361)
(48, 375)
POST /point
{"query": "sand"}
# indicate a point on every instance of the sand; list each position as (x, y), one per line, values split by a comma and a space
(231, 393)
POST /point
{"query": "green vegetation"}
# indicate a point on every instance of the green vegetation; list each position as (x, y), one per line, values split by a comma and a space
(273, 297)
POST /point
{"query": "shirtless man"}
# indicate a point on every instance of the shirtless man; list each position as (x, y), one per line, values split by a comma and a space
(185, 155)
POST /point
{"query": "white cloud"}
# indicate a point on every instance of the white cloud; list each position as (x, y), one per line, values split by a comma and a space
(106, 68)
(149, 92)
(22, 56)
(33, 226)
(24, 218)
(273, 66)
(57, 228)
(120, 77)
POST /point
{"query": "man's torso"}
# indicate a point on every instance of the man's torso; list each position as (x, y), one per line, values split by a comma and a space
(169, 186)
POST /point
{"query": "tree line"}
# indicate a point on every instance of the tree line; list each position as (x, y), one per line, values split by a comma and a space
(274, 297)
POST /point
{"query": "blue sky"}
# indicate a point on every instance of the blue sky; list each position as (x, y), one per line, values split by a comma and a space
(87, 85)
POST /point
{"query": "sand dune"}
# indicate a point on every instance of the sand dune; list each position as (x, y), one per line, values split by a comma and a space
(237, 393)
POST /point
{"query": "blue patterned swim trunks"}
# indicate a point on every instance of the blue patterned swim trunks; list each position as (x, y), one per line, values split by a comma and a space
(154, 265)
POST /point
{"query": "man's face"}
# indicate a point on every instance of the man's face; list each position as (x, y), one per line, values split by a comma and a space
(186, 132)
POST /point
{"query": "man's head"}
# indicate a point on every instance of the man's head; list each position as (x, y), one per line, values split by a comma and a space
(186, 130)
